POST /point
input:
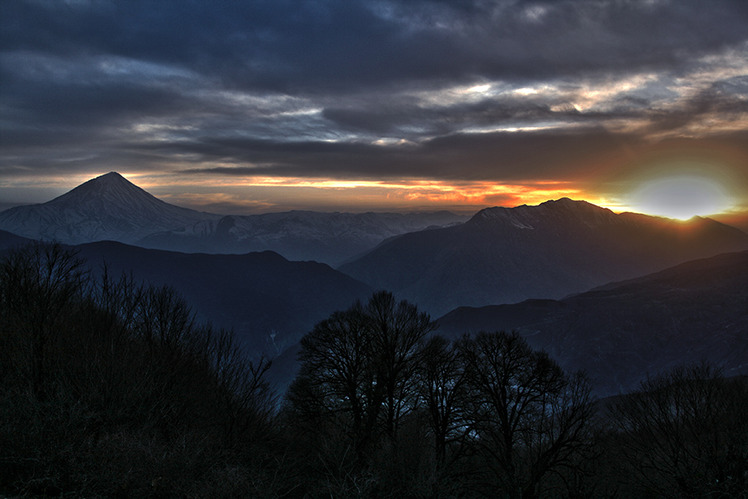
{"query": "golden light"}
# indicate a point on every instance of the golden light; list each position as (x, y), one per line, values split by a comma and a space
(267, 193)
(681, 197)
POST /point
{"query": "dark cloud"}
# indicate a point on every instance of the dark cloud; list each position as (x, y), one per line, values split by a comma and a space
(474, 157)
(398, 118)
(318, 45)
(725, 100)
(449, 89)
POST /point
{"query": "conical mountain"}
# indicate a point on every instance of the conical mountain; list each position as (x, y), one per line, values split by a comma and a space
(108, 207)
(506, 255)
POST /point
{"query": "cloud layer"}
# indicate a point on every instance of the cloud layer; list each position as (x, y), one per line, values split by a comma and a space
(503, 91)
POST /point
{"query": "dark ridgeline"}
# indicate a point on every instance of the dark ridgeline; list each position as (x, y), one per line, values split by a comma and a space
(108, 388)
(267, 300)
(506, 255)
(623, 331)
(9, 240)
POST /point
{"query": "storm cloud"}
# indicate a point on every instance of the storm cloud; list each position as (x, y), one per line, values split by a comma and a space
(502, 90)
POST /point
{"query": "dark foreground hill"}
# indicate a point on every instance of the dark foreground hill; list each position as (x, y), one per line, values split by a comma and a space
(8, 240)
(623, 331)
(105, 395)
(269, 301)
(505, 255)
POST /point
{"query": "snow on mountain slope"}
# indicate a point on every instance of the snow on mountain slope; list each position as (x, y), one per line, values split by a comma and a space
(108, 207)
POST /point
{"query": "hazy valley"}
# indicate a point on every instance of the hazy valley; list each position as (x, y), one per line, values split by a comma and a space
(497, 258)
(375, 249)
(112, 208)
(217, 348)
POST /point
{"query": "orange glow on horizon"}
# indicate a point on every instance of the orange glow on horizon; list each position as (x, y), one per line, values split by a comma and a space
(385, 193)
(240, 195)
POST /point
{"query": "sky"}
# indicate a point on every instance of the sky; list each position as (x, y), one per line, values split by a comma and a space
(346, 105)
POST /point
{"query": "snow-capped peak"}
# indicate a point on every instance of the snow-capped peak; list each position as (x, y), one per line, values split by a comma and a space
(106, 207)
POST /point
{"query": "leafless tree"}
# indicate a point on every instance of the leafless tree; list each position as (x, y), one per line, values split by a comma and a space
(396, 329)
(358, 371)
(40, 285)
(443, 388)
(527, 415)
(683, 433)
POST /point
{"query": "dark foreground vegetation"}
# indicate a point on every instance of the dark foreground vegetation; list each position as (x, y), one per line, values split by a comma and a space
(110, 389)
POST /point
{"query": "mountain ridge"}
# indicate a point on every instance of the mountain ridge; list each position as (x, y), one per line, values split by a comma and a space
(329, 237)
(622, 331)
(506, 255)
(524, 214)
(110, 207)
(269, 301)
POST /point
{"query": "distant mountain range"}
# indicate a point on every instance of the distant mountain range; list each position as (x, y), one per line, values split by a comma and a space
(298, 235)
(506, 255)
(617, 332)
(110, 207)
(623, 331)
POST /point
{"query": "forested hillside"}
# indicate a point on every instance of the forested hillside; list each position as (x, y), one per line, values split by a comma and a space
(109, 388)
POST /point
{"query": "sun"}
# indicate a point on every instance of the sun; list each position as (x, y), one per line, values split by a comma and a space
(681, 197)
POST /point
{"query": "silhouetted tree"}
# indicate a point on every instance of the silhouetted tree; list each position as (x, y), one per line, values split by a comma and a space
(336, 384)
(109, 388)
(244, 398)
(356, 384)
(39, 287)
(444, 391)
(444, 402)
(163, 319)
(396, 328)
(683, 434)
(527, 415)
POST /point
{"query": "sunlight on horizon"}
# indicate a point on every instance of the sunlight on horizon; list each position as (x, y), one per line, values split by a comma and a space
(386, 194)
(670, 194)
(681, 197)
